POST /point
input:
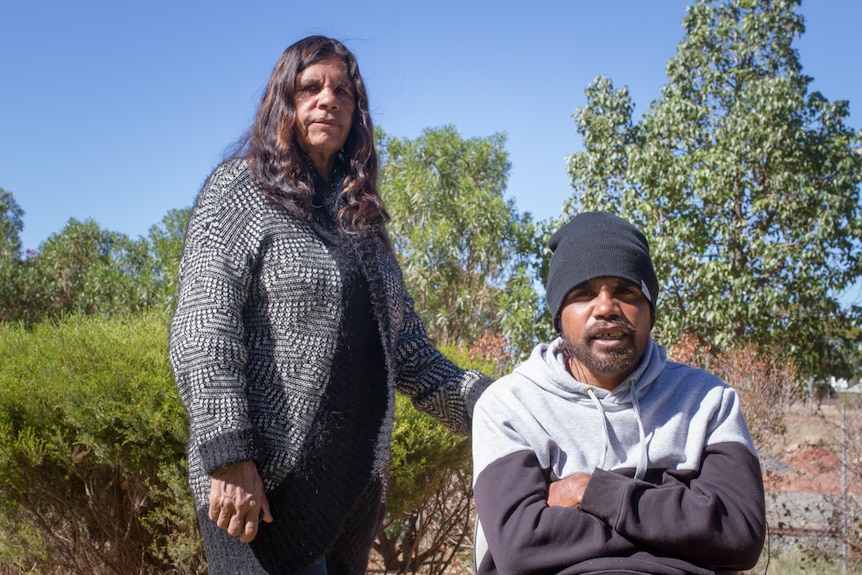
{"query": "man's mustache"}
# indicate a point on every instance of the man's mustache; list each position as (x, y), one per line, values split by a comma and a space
(609, 325)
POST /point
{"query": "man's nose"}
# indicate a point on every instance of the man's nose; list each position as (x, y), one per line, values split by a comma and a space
(605, 304)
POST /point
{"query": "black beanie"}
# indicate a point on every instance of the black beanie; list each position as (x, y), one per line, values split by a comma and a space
(597, 244)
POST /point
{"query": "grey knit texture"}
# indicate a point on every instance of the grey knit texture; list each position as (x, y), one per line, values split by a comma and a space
(252, 346)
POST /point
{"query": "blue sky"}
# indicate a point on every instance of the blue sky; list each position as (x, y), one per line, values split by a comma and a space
(117, 111)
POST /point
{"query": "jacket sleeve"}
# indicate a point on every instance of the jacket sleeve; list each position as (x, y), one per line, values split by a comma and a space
(206, 347)
(436, 385)
(713, 514)
(523, 534)
(716, 517)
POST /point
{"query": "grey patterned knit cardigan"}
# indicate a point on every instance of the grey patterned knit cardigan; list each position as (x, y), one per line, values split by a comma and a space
(253, 338)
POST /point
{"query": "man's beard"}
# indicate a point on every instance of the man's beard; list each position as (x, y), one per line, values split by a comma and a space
(605, 361)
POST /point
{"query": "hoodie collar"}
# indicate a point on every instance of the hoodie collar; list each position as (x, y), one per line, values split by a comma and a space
(547, 368)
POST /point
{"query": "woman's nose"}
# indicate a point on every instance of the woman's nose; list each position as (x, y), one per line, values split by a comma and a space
(327, 98)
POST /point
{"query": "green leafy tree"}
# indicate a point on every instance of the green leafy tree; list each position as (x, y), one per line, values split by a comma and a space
(92, 270)
(84, 268)
(464, 248)
(11, 226)
(165, 248)
(12, 272)
(746, 184)
(150, 265)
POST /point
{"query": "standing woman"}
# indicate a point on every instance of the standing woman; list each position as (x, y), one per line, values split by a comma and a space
(293, 330)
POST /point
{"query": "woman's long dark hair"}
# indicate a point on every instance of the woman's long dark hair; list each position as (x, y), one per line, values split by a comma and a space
(283, 170)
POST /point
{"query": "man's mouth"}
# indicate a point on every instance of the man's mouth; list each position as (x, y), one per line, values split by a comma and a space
(616, 334)
(611, 333)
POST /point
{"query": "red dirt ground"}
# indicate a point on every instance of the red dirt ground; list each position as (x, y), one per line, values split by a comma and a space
(811, 454)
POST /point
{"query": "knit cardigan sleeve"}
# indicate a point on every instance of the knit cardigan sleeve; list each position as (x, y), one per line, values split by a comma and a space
(206, 348)
(435, 385)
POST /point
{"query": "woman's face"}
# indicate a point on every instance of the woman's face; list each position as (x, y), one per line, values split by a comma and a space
(325, 102)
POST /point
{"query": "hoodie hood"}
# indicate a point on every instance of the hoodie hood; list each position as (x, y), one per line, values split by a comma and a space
(658, 418)
(546, 368)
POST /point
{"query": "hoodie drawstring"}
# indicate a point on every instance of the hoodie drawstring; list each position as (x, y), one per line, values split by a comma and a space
(643, 458)
(606, 440)
(640, 472)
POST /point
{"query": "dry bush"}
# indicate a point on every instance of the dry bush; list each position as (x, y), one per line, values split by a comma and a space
(492, 348)
(766, 382)
(435, 538)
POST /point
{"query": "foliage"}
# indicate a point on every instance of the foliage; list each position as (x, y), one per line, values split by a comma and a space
(88, 269)
(11, 226)
(85, 269)
(92, 450)
(464, 249)
(429, 522)
(92, 468)
(166, 249)
(16, 291)
(746, 185)
(11, 280)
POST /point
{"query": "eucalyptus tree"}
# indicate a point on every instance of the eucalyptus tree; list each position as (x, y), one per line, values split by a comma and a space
(11, 226)
(86, 269)
(466, 252)
(746, 183)
(12, 268)
(165, 247)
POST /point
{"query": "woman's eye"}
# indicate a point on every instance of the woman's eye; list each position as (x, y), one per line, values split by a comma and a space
(307, 89)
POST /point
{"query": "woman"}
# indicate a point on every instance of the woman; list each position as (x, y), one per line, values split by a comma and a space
(293, 330)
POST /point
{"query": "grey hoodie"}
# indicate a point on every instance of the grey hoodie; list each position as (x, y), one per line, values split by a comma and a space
(676, 485)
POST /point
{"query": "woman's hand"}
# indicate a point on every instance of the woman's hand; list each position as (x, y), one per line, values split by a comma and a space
(569, 491)
(237, 499)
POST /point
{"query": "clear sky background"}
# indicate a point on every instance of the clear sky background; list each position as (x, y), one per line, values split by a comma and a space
(117, 111)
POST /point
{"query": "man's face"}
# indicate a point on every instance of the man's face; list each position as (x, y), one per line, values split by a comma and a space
(606, 322)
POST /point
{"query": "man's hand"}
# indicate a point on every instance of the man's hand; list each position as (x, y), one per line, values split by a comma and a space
(569, 491)
(236, 500)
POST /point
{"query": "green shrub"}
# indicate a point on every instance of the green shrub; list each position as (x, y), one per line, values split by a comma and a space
(92, 450)
(429, 523)
(92, 458)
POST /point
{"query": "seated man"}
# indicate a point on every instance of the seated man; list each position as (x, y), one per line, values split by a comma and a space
(597, 454)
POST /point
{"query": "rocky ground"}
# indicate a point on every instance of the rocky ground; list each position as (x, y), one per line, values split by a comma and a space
(808, 458)
(803, 478)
